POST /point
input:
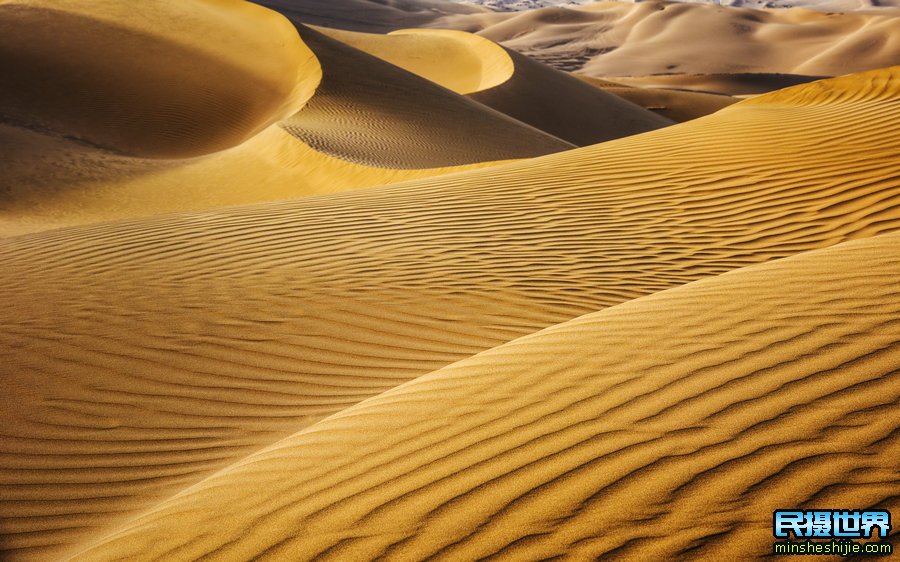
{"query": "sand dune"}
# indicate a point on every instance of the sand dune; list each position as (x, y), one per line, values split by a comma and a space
(668, 426)
(82, 71)
(677, 105)
(640, 39)
(506, 81)
(735, 83)
(459, 61)
(374, 113)
(369, 123)
(142, 356)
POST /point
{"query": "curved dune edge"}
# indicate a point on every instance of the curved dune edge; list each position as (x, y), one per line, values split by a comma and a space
(676, 422)
(377, 114)
(224, 71)
(529, 92)
(459, 61)
(52, 183)
(497, 65)
(193, 340)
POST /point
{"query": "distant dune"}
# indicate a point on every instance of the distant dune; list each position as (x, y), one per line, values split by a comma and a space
(376, 16)
(649, 38)
(142, 356)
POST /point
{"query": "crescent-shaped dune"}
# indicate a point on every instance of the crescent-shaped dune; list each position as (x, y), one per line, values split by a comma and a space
(141, 356)
(459, 61)
(123, 77)
(374, 113)
(510, 83)
(670, 426)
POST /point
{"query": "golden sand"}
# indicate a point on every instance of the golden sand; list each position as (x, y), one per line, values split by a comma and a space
(145, 355)
(217, 345)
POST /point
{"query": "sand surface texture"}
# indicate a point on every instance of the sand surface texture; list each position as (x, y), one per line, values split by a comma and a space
(143, 356)
(511, 83)
(668, 426)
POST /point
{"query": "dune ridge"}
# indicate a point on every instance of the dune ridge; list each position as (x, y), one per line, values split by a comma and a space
(373, 113)
(671, 425)
(234, 328)
(459, 61)
(510, 83)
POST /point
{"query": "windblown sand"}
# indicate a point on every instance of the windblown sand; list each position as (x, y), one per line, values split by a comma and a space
(519, 349)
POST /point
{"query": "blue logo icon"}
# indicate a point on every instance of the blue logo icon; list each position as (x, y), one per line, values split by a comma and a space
(830, 523)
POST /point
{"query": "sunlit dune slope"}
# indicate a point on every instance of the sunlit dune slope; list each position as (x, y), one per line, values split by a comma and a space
(551, 100)
(644, 38)
(374, 113)
(154, 78)
(140, 356)
(459, 61)
(394, 125)
(47, 182)
(669, 426)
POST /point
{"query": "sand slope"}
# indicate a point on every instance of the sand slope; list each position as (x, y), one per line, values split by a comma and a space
(374, 113)
(671, 425)
(506, 81)
(139, 357)
(637, 39)
(677, 105)
(369, 123)
(122, 78)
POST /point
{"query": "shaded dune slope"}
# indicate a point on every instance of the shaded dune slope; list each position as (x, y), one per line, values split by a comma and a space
(141, 356)
(510, 83)
(374, 113)
(672, 425)
(735, 83)
(676, 105)
(146, 88)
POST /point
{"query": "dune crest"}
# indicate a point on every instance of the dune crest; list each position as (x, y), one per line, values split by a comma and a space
(376, 114)
(459, 61)
(532, 93)
(194, 340)
(674, 424)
